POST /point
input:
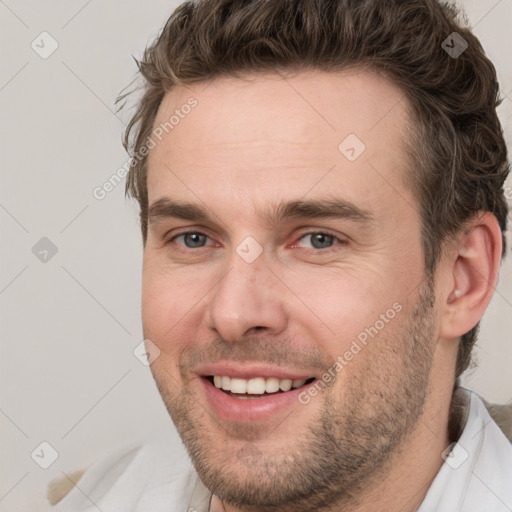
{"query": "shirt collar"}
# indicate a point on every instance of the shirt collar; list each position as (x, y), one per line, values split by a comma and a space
(201, 498)
(477, 471)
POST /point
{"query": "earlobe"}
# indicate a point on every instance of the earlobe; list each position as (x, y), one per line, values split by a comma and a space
(474, 274)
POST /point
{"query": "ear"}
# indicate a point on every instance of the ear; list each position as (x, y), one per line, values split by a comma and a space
(470, 276)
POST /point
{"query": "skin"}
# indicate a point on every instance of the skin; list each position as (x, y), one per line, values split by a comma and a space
(253, 142)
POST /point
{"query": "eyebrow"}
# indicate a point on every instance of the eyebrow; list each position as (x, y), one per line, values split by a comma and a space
(335, 208)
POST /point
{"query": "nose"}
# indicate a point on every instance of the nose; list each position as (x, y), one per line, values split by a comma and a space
(249, 299)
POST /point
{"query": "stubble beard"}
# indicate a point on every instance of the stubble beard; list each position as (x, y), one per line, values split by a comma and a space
(341, 451)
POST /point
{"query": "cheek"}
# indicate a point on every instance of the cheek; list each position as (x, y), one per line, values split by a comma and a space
(168, 308)
(347, 306)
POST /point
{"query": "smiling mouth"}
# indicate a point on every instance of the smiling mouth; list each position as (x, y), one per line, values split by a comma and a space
(256, 387)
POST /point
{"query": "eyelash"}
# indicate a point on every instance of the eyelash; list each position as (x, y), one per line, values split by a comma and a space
(303, 235)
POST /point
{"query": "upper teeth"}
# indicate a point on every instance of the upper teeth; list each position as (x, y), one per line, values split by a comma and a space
(256, 386)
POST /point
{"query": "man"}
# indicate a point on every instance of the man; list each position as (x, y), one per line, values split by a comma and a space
(322, 211)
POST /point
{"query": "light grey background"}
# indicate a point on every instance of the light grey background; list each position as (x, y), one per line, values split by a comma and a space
(70, 325)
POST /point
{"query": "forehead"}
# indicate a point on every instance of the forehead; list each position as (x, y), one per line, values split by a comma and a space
(256, 133)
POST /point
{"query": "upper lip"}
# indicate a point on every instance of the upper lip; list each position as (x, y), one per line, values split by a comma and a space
(251, 371)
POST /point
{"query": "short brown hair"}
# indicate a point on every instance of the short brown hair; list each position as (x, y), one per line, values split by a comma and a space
(456, 142)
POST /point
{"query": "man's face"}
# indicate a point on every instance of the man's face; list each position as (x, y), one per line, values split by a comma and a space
(259, 295)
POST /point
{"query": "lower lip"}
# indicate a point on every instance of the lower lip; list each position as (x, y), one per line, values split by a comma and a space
(246, 410)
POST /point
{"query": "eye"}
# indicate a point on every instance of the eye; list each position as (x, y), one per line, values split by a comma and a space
(321, 240)
(191, 239)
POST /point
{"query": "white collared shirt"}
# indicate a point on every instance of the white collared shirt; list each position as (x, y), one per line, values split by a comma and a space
(477, 477)
(153, 474)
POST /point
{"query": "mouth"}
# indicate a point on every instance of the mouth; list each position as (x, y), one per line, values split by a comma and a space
(252, 392)
(257, 387)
